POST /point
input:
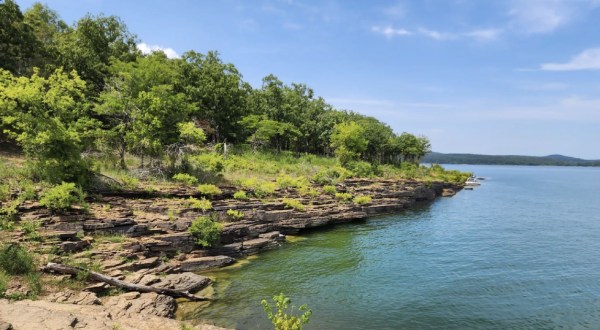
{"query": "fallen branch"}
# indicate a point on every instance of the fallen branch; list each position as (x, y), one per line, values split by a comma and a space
(72, 270)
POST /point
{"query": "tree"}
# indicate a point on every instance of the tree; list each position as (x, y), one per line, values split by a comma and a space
(140, 108)
(18, 44)
(47, 27)
(349, 141)
(412, 148)
(218, 92)
(49, 119)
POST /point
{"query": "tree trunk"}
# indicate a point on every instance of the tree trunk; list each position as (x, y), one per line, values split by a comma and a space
(64, 269)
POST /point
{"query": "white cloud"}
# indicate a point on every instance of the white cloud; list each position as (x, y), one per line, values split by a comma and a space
(589, 59)
(437, 35)
(147, 49)
(484, 34)
(390, 32)
(545, 16)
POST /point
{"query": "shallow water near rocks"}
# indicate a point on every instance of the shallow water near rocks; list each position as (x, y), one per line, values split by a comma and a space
(522, 251)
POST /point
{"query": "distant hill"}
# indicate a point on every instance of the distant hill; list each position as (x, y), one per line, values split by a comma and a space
(551, 160)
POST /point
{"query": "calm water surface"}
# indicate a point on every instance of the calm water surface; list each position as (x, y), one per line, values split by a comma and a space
(520, 252)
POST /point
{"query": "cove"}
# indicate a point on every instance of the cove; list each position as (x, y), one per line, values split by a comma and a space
(519, 252)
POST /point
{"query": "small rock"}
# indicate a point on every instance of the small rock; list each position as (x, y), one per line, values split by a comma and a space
(5, 326)
(205, 263)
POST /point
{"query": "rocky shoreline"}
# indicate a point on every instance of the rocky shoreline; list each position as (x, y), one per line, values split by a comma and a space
(153, 245)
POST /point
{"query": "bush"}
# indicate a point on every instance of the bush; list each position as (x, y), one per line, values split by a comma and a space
(285, 181)
(209, 190)
(344, 197)
(62, 197)
(30, 228)
(185, 179)
(235, 214)
(281, 319)
(293, 204)
(362, 199)
(265, 189)
(208, 163)
(206, 232)
(240, 195)
(329, 190)
(4, 279)
(15, 260)
(331, 175)
(8, 215)
(307, 191)
(4, 192)
(361, 169)
(199, 204)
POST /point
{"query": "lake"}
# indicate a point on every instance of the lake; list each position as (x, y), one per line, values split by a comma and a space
(522, 251)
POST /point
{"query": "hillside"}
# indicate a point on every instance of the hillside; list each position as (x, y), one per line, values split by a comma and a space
(475, 159)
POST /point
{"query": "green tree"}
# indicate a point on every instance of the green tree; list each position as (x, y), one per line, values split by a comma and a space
(18, 44)
(218, 92)
(349, 141)
(49, 119)
(47, 27)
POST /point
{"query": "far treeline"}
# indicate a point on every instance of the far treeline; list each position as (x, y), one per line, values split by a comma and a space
(69, 92)
(551, 160)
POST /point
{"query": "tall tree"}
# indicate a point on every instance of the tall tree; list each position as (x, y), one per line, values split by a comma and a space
(18, 44)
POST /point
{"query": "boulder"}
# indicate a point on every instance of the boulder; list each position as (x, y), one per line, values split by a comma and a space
(134, 303)
(196, 264)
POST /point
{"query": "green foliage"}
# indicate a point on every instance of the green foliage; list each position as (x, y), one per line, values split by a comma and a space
(129, 182)
(308, 191)
(344, 197)
(30, 228)
(199, 204)
(207, 163)
(185, 179)
(4, 280)
(293, 204)
(283, 317)
(61, 197)
(235, 214)
(209, 190)
(15, 260)
(191, 134)
(329, 190)
(349, 141)
(362, 199)
(240, 195)
(360, 169)
(331, 175)
(206, 231)
(265, 189)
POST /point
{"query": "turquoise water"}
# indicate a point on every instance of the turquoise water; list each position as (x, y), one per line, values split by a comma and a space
(520, 252)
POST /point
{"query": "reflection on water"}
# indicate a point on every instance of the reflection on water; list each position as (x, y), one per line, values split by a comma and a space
(518, 252)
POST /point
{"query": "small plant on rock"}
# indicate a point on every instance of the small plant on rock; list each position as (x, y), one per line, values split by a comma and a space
(209, 190)
(362, 199)
(206, 231)
(293, 204)
(329, 190)
(199, 204)
(61, 197)
(185, 179)
(282, 316)
(344, 197)
(240, 195)
(235, 214)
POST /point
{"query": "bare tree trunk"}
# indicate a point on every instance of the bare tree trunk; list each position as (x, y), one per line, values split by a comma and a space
(64, 269)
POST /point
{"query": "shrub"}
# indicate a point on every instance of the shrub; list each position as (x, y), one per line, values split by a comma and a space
(206, 232)
(15, 260)
(240, 195)
(4, 192)
(235, 214)
(199, 204)
(209, 190)
(30, 228)
(208, 162)
(362, 199)
(185, 179)
(361, 169)
(129, 182)
(329, 190)
(4, 279)
(293, 204)
(307, 191)
(8, 214)
(331, 175)
(250, 183)
(281, 319)
(61, 197)
(26, 190)
(344, 197)
(285, 181)
(265, 189)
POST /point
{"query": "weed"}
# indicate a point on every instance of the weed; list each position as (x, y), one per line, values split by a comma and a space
(185, 179)
(199, 204)
(293, 204)
(362, 199)
(209, 190)
(235, 214)
(240, 195)
(344, 197)
(329, 190)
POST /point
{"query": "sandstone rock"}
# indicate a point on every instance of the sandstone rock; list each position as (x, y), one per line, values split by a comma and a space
(76, 246)
(205, 263)
(5, 326)
(143, 304)
(140, 264)
(77, 298)
(182, 281)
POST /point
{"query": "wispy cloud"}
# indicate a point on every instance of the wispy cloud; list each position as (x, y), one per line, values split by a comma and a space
(589, 59)
(390, 32)
(478, 34)
(545, 16)
(147, 49)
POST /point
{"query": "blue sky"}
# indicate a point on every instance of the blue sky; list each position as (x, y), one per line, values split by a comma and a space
(477, 76)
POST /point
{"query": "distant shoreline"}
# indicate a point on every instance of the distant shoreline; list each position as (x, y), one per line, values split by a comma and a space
(476, 159)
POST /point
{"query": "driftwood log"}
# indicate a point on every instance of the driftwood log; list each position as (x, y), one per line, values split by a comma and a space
(64, 269)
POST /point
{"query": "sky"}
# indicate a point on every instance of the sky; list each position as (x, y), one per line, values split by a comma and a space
(517, 77)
